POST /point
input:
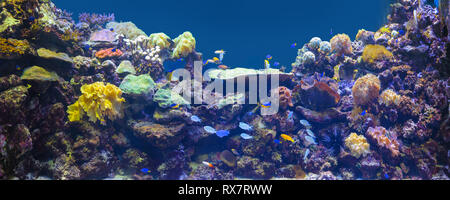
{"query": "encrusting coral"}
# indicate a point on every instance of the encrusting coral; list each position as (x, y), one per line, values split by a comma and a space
(373, 53)
(98, 101)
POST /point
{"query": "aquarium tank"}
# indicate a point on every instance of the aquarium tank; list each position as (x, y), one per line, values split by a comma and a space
(224, 90)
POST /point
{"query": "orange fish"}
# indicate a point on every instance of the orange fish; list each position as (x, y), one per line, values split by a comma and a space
(208, 164)
(223, 67)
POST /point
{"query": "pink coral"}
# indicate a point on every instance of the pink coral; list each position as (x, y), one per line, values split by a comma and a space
(380, 136)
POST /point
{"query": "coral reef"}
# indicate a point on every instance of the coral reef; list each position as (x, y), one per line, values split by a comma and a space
(98, 101)
(341, 44)
(366, 89)
(357, 144)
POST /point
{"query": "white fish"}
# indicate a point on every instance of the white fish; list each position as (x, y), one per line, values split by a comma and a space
(195, 118)
(310, 139)
(306, 124)
(310, 133)
(245, 126)
(306, 155)
(209, 129)
(245, 136)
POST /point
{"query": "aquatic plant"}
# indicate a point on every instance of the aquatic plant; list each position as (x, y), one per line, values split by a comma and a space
(341, 45)
(98, 101)
(357, 144)
(184, 45)
(366, 89)
(373, 53)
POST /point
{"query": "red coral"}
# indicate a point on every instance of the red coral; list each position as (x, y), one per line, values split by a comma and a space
(285, 97)
(111, 52)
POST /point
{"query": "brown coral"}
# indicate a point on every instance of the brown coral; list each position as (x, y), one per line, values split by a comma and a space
(366, 89)
(285, 97)
(341, 45)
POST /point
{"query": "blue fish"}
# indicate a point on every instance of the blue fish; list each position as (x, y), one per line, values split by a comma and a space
(18, 68)
(310, 139)
(268, 57)
(276, 64)
(386, 176)
(436, 3)
(401, 32)
(222, 133)
(180, 60)
(250, 113)
(310, 133)
(111, 29)
(195, 118)
(322, 75)
(246, 136)
(245, 126)
(87, 47)
(145, 170)
(31, 19)
(294, 45)
(114, 50)
(290, 115)
(277, 141)
(306, 155)
(174, 106)
(266, 105)
(363, 113)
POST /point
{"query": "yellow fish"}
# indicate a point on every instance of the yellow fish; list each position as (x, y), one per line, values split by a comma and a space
(336, 77)
(28, 86)
(355, 72)
(287, 138)
(267, 64)
(169, 76)
(175, 106)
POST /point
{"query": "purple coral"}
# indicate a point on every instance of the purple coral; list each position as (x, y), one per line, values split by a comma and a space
(96, 19)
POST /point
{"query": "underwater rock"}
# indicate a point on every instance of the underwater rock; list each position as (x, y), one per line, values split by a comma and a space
(228, 158)
(326, 116)
(158, 135)
(11, 104)
(142, 85)
(169, 115)
(10, 81)
(254, 168)
(135, 159)
(166, 97)
(203, 172)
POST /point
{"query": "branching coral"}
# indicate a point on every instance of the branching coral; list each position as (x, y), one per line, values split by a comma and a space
(341, 45)
(184, 45)
(383, 139)
(98, 101)
(366, 89)
(373, 53)
(358, 145)
(108, 53)
(389, 97)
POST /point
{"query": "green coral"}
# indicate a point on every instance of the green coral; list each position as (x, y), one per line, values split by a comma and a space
(159, 39)
(126, 67)
(184, 45)
(39, 73)
(166, 97)
(128, 29)
(138, 85)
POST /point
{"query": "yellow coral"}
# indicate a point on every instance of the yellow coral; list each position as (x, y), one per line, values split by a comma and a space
(12, 47)
(389, 97)
(374, 53)
(357, 144)
(184, 45)
(97, 101)
(341, 44)
(159, 39)
(366, 89)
